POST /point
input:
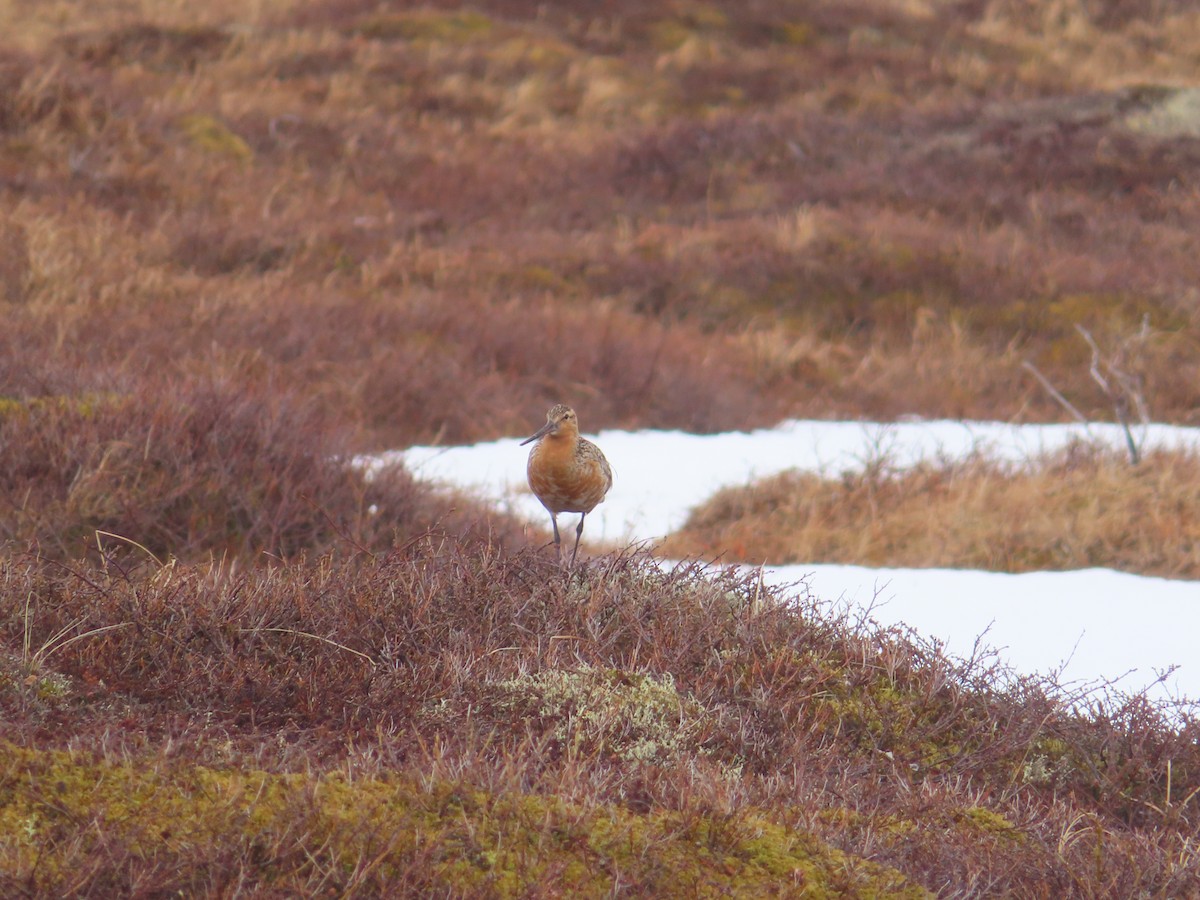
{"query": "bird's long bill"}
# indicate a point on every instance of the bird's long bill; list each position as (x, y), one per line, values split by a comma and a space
(537, 434)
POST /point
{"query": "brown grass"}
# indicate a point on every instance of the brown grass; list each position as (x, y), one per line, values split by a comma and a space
(337, 194)
(238, 245)
(201, 469)
(1079, 508)
(622, 691)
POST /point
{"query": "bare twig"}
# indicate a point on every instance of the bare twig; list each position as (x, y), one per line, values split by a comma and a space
(1127, 389)
(1054, 392)
(341, 532)
(1123, 390)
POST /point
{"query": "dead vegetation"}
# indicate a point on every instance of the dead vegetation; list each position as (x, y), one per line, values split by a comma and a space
(889, 198)
(1082, 507)
(442, 706)
(238, 245)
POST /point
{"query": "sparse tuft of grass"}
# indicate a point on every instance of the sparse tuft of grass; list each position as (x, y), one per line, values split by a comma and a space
(1079, 508)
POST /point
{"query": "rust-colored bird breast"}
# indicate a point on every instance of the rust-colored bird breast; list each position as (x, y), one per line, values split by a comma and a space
(568, 478)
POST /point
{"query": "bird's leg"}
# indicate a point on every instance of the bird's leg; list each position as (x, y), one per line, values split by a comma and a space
(557, 539)
(578, 535)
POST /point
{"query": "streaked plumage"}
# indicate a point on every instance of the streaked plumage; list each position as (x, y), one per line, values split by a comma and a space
(566, 472)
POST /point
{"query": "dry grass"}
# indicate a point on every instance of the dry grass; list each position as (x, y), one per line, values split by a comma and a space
(239, 244)
(201, 469)
(335, 195)
(1082, 507)
(441, 705)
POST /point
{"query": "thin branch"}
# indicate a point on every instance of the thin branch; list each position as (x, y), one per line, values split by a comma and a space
(1097, 375)
(334, 525)
(1054, 392)
(1120, 401)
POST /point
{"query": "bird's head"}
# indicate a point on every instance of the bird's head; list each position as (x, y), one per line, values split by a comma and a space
(560, 420)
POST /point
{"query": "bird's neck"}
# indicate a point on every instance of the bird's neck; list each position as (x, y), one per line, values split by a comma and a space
(558, 445)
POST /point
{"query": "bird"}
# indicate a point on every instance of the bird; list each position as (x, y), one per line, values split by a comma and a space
(566, 472)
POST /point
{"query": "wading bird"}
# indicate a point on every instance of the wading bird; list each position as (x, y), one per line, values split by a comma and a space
(566, 472)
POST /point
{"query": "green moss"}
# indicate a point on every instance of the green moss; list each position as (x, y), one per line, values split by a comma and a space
(992, 823)
(543, 278)
(852, 821)
(85, 405)
(58, 810)
(429, 26)
(878, 716)
(1056, 317)
(11, 406)
(793, 34)
(213, 136)
(887, 715)
(533, 51)
(673, 32)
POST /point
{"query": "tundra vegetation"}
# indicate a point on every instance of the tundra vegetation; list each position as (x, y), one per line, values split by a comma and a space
(241, 243)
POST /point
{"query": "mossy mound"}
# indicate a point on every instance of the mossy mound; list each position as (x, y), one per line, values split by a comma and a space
(191, 828)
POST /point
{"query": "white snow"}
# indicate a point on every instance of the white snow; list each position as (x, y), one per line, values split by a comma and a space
(1091, 625)
(1102, 624)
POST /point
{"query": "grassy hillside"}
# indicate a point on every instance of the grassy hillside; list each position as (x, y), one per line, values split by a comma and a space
(687, 215)
(241, 242)
(477, 722)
